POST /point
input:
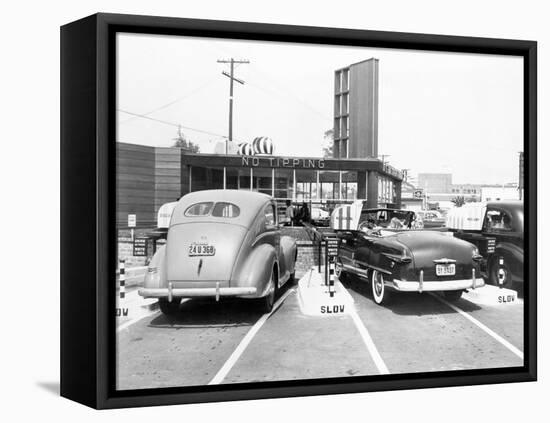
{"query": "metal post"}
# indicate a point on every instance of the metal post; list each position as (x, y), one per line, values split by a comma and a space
(273, 182)
(122, 277)
(319, 255)
(293, 185)
(500, 271)
(326, 262)
(331, 277)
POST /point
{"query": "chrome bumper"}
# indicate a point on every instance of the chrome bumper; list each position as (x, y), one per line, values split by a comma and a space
(421, 286)
(216, 292)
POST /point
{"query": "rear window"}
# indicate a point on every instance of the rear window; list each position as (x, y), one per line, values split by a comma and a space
(225, 210)
(210, 208)
(199, 209)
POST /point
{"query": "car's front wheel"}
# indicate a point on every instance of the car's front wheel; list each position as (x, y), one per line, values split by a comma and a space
(169, 308)
(380, 294)
(500, 275)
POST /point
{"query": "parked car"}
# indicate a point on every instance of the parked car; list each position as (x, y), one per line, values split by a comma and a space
(221, 243)
(431, 218)
(496, 228)
(380, 247)
(319, 216)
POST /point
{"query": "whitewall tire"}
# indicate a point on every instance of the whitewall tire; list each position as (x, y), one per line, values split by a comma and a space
(380, 293)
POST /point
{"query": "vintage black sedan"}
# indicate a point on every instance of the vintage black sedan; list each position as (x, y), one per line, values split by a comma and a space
(382, 247)
(221, 243)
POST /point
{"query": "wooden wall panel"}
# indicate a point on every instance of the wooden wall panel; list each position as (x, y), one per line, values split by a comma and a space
(167, 175)
(135, 180)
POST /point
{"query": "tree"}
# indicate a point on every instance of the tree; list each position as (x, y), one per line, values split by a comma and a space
(328, 143)
(458, 201)
(186, 145)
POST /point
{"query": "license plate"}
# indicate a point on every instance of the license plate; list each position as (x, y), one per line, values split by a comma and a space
(445, 269)
(201, 250)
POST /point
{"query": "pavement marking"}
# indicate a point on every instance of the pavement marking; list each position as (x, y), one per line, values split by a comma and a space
(376, 357)
(480, 325)
(228, 365)
(137, 319)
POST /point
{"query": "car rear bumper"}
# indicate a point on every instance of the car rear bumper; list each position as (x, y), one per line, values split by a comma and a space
(427, 286)
(216, 292)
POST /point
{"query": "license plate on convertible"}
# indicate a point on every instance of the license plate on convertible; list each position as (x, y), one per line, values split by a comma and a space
(202, 250)
(445, 269)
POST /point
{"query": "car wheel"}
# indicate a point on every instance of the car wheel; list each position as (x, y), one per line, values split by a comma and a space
(496, 272)
(379, 292)
(169, 308)
(453, 295)
(268, 301)
(292, 278)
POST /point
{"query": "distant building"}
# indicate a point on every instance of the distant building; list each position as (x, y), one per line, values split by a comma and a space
(356, 111)
(437, 183)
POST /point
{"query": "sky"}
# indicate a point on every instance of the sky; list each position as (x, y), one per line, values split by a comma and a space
(438, 112)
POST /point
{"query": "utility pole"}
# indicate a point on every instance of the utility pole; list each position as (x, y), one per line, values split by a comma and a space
(232, 78)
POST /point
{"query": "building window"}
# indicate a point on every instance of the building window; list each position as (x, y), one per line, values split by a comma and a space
(345, 103)
(345, 80)
(343, 153)
(344, 130)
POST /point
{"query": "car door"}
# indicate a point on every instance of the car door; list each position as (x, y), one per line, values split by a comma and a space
(346, 249)
(364, 250)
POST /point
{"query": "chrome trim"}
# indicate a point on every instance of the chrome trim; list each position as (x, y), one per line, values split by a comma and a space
(452, 285)
(421, 282)
(195, 292)
(444, 261)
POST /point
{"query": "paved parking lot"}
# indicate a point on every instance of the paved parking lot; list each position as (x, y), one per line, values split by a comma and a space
(232, 342)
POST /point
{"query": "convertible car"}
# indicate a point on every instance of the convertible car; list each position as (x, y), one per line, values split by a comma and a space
(221, 243)
(382, 247)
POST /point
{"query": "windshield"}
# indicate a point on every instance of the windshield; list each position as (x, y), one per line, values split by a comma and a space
(393, 219)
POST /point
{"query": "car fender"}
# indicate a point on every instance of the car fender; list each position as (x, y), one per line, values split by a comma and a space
(156, 271)
(513, 254)
(256, 270)
(289, 250)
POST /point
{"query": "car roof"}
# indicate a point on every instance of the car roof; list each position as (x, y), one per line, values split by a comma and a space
(514, 205)
(249, 203)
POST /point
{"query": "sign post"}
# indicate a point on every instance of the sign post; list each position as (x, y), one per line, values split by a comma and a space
(132, 220)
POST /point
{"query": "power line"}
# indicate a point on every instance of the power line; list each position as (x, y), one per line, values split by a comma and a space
(165, 122)
(283, 92)
(177, 100)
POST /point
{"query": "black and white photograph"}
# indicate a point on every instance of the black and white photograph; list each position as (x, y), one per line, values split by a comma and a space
(295, 212)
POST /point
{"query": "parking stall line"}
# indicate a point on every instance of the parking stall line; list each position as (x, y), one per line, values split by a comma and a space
(137, 319)
(236, 354)
(369, 343)
(484, 328)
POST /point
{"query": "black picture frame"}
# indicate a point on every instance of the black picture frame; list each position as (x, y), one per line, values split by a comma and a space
(87, 208)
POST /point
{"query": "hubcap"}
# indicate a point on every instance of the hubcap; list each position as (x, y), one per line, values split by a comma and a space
(378, 282)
